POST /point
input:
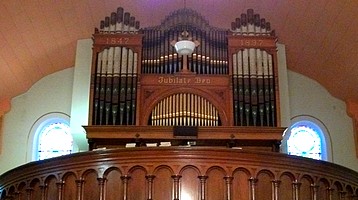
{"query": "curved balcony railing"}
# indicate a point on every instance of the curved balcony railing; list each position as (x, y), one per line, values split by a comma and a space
(179, 173)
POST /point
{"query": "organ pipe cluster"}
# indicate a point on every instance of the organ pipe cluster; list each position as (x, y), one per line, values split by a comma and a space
(116, 75)
(184, 109)
(253, 76)
(251, 24)
(159, 56)
(119, 22)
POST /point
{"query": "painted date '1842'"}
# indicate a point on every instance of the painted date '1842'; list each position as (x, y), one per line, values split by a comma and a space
(122, 40)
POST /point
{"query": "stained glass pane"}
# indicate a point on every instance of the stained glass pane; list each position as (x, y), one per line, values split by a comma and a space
(304, 141)
(55, 140)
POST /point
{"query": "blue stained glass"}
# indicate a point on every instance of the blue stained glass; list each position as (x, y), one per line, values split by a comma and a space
(304, 141)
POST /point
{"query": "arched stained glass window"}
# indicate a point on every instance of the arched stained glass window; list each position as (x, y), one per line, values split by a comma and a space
(55, 139)
(304, 141)
(50, 136)
(307, 137)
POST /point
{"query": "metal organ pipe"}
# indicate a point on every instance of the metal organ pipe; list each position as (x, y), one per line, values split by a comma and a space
(184, 109)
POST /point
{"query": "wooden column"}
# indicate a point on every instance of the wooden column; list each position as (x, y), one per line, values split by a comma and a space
(342, 195)
(228, 181)
(202, 186)
(150, 186)
(60, 189)
(296, 190)
(79, 184)
(29, 192)
(275, 189)
(252, 182)
(125, 179)
(101, 182)
(43, 189)
(176, 186)
(330, 193)
(314, 189)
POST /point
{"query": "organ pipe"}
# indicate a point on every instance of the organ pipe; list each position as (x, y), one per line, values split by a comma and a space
(184, 109)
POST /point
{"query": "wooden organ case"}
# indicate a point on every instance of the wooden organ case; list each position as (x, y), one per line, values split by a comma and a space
(223, 94)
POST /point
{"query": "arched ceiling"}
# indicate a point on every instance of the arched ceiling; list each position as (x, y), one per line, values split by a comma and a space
(38, 37)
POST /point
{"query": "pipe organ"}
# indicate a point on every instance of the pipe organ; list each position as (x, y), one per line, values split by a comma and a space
(139, 80)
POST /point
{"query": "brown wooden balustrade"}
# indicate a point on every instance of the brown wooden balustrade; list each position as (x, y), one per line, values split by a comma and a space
(179, 173)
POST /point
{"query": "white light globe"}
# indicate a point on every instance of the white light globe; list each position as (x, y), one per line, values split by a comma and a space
(184, 47)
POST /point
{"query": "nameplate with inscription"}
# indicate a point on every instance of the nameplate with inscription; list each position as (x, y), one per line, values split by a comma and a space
(165, 80)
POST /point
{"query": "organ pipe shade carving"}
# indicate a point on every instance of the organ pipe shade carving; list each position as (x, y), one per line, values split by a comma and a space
(184, 109)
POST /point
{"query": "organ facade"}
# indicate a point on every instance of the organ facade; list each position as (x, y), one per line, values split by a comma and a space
(229, 81)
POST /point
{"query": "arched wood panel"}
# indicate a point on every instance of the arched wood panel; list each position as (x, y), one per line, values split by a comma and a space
(306, 188)
(162, 183)
(51, 188)
(22, 191)
(323, 190)
(69, 186)
(90, 185)
(240, 189)
(216, 184)
(189, 183)
(113, 185)
(285, 189)
(137, 184)
(264, 185)
(35, 190)
(336, 191)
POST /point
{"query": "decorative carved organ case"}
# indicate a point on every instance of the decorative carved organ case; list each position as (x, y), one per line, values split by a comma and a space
(138, 78)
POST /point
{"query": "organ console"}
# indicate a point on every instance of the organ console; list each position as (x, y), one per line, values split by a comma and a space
(139, 80)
